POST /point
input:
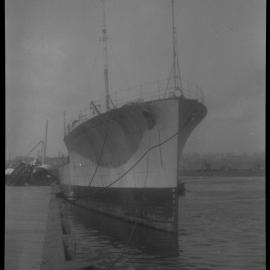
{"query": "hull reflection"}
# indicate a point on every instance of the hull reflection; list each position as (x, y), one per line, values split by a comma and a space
(146, 240)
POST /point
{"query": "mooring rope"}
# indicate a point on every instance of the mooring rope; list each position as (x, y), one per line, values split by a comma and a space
(135, 222)
(100, 157)
(131, 167)
(138, 160)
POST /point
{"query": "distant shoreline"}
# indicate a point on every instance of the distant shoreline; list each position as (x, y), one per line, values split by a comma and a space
(231, 173)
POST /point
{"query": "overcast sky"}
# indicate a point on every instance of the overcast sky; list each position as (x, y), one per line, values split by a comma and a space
(54, 57)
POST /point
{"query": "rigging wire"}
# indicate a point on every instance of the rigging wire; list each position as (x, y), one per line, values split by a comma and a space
(168, 82)
(122, 253)
(131, 167)
(136, 163)
(146, 178)
(138, 160)
(135, 222)
(100, 157)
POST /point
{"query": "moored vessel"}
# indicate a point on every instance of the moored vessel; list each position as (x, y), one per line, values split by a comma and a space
(124, 160)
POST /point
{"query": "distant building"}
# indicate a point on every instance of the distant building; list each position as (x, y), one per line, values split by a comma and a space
(223, 162)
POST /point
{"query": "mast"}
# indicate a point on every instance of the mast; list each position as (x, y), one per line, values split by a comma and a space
(64, 114)
(45, 143)
(177, 87)
(105, 54)
(176, 68)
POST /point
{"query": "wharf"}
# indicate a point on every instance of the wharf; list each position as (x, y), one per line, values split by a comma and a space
(34, 234)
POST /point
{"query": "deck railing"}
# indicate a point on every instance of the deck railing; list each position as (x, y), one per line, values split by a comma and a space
(139, 93)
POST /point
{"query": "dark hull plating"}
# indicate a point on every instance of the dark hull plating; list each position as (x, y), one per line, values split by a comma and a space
(154, 207)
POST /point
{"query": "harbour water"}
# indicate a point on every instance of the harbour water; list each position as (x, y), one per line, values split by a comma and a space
(221, 226)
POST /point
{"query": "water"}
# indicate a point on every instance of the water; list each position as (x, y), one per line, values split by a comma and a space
(221, 226)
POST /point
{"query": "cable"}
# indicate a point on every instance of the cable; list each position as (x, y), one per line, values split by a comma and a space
(142, 156)
(125, 173)
(99, 159)
(135, 164)
(122, 253)
(168, 82)
(100, 156)
(135, 223)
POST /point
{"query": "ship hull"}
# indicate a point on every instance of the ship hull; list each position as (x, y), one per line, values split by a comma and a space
(125, 162)
(152, 207)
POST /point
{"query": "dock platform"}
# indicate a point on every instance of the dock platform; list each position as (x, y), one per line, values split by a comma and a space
(34, 238)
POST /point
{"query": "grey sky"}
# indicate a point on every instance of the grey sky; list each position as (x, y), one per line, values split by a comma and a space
(54, 57)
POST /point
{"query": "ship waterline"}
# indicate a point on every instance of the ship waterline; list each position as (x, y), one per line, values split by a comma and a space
(125, 162)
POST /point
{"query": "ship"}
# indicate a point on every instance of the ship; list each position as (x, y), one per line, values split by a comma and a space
(123, 160)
